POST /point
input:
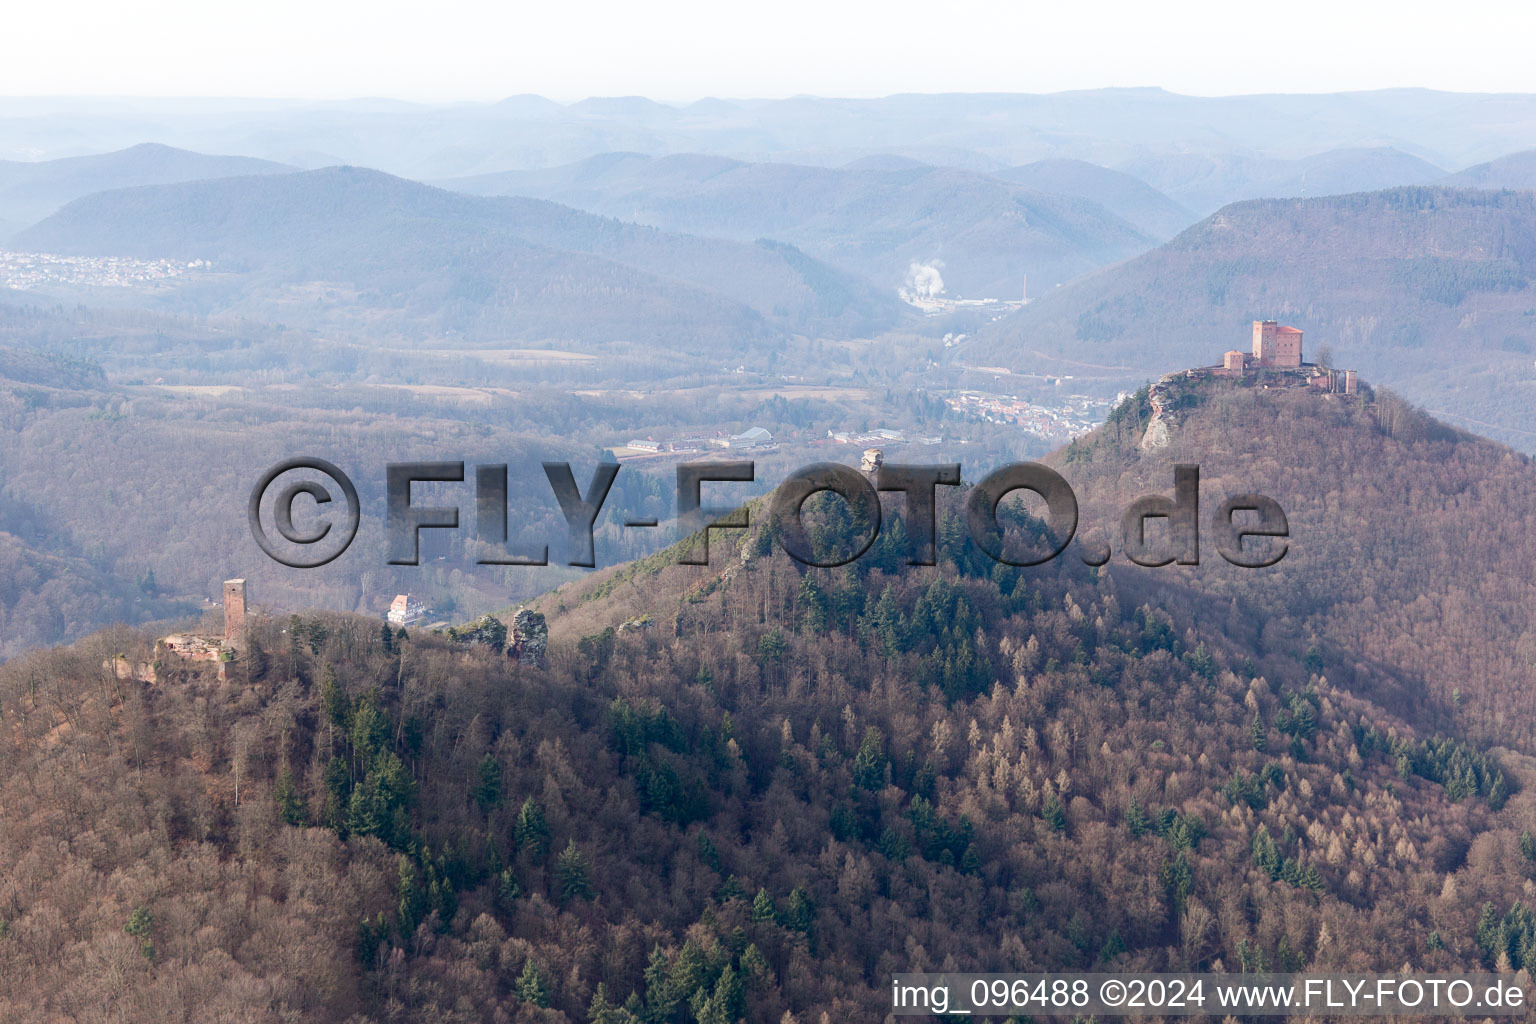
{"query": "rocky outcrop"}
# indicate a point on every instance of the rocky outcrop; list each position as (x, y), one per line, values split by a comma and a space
(1156, 434)
(530, 638)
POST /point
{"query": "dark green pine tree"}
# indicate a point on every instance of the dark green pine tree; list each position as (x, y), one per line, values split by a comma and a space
(531, 830)
(869, 762)
(690, 972)
(762, 907)
(571, 874)
(412, 900)
(660, 998)
(728, 999)
(334, 702)
(754, 966)
(1136, 818)
(1178, 879)
(889, 625)
(290, 806)
(601, 1010)
(530, 985)
(799, 911)
(813, 605)
(1265, 853)
(488, 786)
(1054, 813)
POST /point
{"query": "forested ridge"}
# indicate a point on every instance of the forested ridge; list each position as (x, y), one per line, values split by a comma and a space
(1426, 290)
(748, 791)
(1407, 572)
(312, 248)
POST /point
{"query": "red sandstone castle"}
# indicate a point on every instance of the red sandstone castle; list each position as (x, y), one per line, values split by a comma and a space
(1273, 346)
(1278, 348)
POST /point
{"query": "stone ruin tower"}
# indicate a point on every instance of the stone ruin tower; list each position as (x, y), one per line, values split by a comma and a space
(530, 638)
(234, 613)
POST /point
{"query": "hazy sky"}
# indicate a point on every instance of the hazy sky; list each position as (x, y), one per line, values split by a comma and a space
(685, 49)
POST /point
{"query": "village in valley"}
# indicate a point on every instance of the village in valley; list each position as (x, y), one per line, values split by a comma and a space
(23, 271)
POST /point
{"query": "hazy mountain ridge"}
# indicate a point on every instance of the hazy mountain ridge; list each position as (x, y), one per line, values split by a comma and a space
(1428, 290)
(440, 261)
(1207, 181)
(31, 191)
(1515, 171)
(989, 233)
(985, 131)
(1122, 194)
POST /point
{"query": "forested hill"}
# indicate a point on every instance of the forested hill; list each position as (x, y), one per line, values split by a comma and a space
(1427, 290)
(749, 789)
(1406, 571)
(1514, 171)
(302, 247)
(30, 191)
(877, 217)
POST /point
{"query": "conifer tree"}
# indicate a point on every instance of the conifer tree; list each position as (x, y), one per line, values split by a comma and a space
(571, 874)
(530, 985)
(531, 830)
(488, 788)
(869, 762)
(290, 806)
(762, 906)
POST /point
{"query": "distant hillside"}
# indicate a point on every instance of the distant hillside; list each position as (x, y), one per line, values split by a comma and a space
(77, 440)
(54, 584)
(874, 219)
(1517, 170)
(981, 131)
(31, 191)
(325, 247)
(1206, 181)
(1123, 195)
(1431, 291)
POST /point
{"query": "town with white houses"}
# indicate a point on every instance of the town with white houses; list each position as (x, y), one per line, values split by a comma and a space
(22, 271)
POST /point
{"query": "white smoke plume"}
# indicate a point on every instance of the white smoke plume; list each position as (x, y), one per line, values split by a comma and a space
(923, 281)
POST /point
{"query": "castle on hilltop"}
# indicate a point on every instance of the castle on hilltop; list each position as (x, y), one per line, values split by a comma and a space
(1277, 350)
(216, 649)
(220, 650)
(1275, 362)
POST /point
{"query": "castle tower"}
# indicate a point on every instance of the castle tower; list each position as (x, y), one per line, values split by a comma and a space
(234, 612)
(1264, 341)
(1274, 345)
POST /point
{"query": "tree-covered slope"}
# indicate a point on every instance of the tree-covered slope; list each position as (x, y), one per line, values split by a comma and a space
(750, 789)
